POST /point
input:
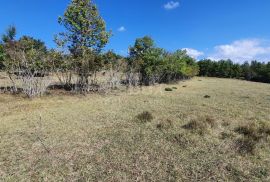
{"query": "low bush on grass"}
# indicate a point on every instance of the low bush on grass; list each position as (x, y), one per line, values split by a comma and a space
(168, 89)
(145, 116)
(175, 88)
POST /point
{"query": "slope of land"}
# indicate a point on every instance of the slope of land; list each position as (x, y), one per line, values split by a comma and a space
(207, 129)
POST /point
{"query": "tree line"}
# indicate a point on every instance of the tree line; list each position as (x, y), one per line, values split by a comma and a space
(253, 71)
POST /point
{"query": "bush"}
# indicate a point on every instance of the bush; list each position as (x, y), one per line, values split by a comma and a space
(175, 88)
(168, 89)
(145, 117)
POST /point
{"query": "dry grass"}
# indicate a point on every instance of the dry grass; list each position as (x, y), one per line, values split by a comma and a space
(95, 138)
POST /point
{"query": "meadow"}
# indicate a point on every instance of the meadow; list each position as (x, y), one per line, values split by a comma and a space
(204, 129)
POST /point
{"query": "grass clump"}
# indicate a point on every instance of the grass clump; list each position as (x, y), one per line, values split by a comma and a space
(246, 146)
(181, 140)
(145, 116)
(201, 125)
(255, 131)
(165, 124)
(168, 89)
(253, 134)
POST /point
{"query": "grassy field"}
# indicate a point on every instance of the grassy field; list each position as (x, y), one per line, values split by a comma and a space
(205, 130)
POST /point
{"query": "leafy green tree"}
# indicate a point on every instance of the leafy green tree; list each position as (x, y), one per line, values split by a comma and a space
(85, 28)
(10, 34)
(179, 65)
(28, 43)
(236, 71)
(85, 36)
(145, 58)
(141, 46)
(156, 65)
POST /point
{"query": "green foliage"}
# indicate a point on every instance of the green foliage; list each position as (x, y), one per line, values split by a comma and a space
(28, 43)
(254, 71)
(85, 36)
(112, 61)
(141, 46)
(85, 28)
(10, 34)
(24, 55)
(156, 65)
(178, 65)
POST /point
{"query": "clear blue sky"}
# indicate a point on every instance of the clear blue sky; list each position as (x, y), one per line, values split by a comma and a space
(237, 29)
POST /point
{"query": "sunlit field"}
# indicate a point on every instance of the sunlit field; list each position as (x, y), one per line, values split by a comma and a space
(205, 129)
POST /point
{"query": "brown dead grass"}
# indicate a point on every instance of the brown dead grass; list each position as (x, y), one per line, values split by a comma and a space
(95, 138)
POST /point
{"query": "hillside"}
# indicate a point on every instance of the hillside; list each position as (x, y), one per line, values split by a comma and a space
(207, 129)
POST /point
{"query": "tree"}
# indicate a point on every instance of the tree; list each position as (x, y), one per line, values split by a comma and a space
(27, 43)
(177, 66)
(157, 65)
(141, 46)
(26, 61)
(145, 59)
(85, 27)
(10, 34)
(2, 57)
(85, 36)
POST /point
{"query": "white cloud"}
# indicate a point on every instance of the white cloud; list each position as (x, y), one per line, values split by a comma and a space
(243, 50)
(171, 5)
(193, 53)
(121, 29)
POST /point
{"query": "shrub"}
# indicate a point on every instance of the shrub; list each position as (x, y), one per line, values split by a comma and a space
(207, 96)
(168, 89)
(145, 117)
(175, 88)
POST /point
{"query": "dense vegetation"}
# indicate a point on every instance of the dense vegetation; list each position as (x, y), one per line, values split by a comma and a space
(254, 71)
